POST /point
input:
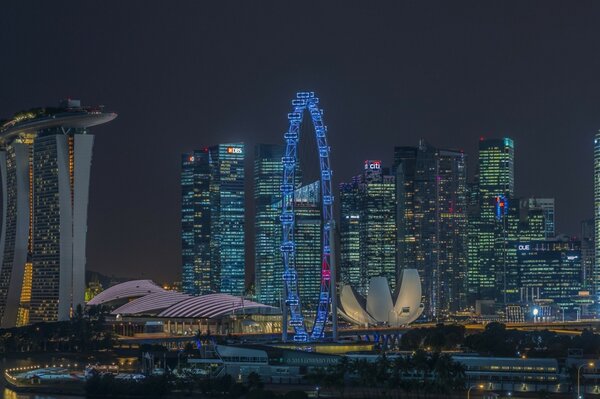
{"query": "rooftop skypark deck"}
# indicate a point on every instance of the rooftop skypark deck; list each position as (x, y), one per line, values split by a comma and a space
(69, 114)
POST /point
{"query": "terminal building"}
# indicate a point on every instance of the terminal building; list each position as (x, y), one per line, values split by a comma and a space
(45, 161)
(141, 306)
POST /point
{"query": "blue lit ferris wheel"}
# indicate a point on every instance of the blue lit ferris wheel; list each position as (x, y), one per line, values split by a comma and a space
(305, 101)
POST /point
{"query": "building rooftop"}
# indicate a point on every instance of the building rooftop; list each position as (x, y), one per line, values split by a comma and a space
(69, 113)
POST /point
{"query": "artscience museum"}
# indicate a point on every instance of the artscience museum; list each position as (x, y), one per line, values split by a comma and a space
(381, 307)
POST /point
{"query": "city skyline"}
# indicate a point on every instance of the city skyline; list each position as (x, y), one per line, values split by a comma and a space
(524, 72)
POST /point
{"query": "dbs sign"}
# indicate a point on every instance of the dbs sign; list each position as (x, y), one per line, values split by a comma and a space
(234, 150)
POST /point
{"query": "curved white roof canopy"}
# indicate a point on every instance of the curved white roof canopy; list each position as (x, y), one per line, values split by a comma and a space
(213, 305)
(151, 303)
(125, 291)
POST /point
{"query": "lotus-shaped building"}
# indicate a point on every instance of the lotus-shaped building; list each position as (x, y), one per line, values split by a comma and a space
(380, 307)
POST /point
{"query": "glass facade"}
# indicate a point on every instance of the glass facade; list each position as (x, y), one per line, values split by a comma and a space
(195, 223)
(547, 206)
(587, 253)
(268, 171)
(488, 229)
(227, 199)
(432, 222)
(551, 269)
(268, 268)
(596, 270)
(368, 227)
(212, 220)
(308, 244)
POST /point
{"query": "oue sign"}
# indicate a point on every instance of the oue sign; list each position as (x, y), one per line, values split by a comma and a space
(523, 247)
(372, 165)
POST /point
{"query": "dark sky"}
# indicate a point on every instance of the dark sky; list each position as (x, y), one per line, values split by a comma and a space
(185, 74)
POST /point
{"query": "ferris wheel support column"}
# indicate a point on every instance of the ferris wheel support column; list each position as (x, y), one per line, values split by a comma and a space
(333, 286)
(284, 316)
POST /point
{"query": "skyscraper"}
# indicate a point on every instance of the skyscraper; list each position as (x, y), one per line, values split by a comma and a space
(308, 239)
(268, 269)
(488, 224)
(432, 224)
(368, 227)
(212, 216)
(308, 244)
(197, 272)
(547, 206)
(45, 163)
(596, 271)
(587, 253)
(551, 269)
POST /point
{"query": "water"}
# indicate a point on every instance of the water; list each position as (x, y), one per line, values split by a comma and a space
(8, 393)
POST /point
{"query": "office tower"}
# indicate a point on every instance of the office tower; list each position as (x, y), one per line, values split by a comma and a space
(521, 222)
(547, 206)
(195, 223)
(227, 199)
(489, 223)
(307, 236)
(432, 222)
(596, 270)
(45, 162)
(550, 270)
(268, 171)
(308, 244)
(587, 253)
(213, 240)
(368, 227)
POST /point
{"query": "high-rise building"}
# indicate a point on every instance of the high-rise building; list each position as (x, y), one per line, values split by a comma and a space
(596, 270)
(432, 222)
(488, 222)
(308, 244)
(368, 227)
(521, 222)
(268, 269)
(308, 240)
(547, 206)
(212, 216)
(197, 272)
(45, 161)
(587, 253)
(550, 270)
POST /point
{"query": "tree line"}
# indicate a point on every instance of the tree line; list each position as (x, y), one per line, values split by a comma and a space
(85, 331)
(497, 340)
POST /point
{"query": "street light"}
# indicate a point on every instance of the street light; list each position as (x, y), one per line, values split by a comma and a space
(480, 386)
(590, 364)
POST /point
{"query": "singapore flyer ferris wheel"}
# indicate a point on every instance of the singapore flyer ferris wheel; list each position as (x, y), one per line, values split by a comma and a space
(306, 101)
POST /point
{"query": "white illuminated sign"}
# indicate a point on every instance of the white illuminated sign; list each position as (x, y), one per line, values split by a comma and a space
(234, 150)
(372, 165)
(523, 247)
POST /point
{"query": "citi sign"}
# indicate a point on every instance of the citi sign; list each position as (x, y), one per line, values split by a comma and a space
(234, 150)
(372, 165)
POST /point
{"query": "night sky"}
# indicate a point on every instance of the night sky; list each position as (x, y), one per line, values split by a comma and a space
(185, 74)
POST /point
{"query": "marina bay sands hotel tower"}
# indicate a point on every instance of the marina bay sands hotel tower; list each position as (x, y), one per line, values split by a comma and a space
(45, 161)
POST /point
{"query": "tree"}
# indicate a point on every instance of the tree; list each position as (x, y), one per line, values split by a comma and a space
(254, 381)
